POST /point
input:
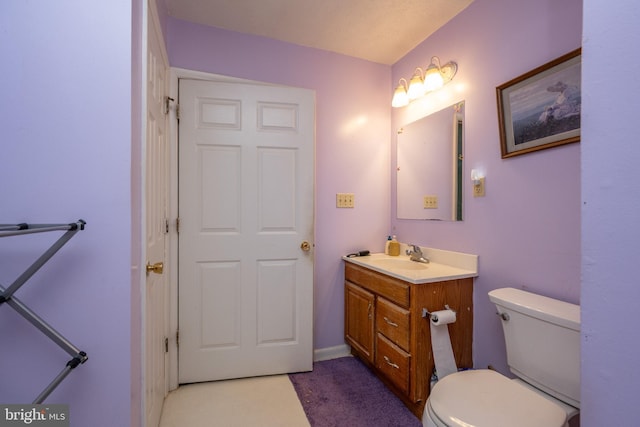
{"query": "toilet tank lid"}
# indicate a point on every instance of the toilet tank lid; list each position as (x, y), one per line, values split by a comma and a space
(551, 310)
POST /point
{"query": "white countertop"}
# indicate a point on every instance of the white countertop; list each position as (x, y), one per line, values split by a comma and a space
(443, 265)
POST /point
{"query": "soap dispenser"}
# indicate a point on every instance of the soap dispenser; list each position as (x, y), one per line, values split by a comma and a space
(386, 245)
(394, 247)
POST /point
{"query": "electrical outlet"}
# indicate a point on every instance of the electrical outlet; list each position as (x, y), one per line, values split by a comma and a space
(430, 202)
(478, 189)
(344, 200)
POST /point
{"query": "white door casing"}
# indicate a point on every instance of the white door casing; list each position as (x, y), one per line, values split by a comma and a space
(246, 194)
(156, 210)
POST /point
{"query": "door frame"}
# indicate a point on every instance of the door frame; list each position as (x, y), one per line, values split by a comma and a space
(175, 74)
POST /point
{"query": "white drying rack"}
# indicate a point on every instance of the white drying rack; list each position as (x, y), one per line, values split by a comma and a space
(7, 295)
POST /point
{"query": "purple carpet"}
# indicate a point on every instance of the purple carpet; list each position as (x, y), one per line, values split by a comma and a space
(344, 392)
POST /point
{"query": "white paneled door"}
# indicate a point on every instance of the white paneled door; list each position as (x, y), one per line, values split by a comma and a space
(246, 193)
(156, 179)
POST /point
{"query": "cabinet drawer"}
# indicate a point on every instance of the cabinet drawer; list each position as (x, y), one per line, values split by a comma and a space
(393, 322)
(388, 287)
(393, 362)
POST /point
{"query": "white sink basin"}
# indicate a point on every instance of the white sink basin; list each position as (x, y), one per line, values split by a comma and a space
(399, 264)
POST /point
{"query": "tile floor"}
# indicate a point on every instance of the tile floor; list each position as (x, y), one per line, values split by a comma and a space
(261, 402)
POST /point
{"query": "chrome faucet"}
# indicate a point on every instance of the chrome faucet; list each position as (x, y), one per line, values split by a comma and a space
(415, 254)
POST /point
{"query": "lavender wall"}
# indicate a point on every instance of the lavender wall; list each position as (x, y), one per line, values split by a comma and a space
(610, 205)
(352, 144)
(527, 228)
(66, 154)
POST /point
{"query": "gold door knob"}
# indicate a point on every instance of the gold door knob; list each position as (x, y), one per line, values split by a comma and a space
(305, 246)
(157, 268)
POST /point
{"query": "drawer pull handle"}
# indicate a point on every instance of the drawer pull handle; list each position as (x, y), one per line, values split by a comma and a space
(390, 363)
(389, 322)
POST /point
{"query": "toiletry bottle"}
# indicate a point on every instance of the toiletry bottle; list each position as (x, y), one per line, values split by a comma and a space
(386, 245)
(394, 247)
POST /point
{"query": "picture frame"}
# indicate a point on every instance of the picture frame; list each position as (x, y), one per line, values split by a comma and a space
(541, 109)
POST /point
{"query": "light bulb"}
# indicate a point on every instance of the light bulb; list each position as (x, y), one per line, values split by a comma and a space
(400, 97)
(416, 85)
(432, 78)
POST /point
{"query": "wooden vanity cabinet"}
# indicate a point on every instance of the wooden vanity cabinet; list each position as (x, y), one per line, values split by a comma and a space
(385, 328)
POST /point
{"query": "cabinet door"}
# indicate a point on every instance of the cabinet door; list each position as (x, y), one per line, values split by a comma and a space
(359, 317)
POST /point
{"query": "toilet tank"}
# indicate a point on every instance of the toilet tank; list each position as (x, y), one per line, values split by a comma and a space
(542, 337)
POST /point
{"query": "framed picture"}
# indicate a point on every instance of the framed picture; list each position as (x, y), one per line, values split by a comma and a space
(541, 109)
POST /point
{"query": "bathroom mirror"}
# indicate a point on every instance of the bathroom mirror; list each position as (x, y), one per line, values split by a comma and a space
(429, 166)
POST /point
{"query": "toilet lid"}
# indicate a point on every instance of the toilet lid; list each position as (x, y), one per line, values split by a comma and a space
(485, 398)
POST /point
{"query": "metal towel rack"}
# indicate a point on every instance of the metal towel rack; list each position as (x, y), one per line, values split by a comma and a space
(7, 295)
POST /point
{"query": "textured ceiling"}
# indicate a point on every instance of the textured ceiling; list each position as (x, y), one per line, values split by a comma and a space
(381, 31)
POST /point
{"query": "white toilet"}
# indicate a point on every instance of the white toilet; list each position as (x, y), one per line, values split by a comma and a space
(542, 337)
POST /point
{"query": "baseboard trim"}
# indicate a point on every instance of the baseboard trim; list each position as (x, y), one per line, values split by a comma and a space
(329, 353)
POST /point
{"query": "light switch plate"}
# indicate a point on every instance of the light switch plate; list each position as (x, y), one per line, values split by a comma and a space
(430, 202)
(345, 200)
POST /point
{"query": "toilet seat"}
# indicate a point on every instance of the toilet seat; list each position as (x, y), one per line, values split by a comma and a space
(485, 398)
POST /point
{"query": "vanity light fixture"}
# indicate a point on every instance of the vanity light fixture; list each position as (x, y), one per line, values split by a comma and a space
(434, 77)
